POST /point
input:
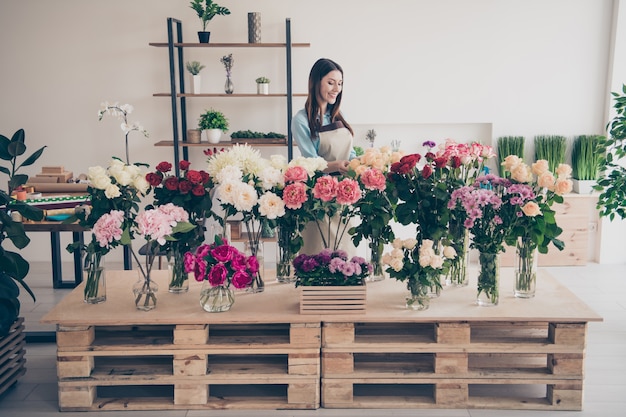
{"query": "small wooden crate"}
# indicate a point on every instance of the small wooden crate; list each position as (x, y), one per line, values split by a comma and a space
(12, 360)
(333, 300)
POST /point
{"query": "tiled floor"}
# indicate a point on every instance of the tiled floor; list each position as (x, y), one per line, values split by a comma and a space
(602, 287)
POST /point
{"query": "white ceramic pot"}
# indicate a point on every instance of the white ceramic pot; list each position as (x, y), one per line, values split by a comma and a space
(213, 135)
(196, 84)
(583, 186)
(263, 88)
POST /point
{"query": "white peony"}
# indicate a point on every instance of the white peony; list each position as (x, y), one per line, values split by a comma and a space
(245, 197)
(271, 206)
(271, 177)
(228, 173)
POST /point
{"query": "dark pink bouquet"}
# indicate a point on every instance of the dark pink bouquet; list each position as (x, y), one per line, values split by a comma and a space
(221, 264)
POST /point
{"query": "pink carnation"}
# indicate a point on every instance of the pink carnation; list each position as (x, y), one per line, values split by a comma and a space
(325, 188)
(348, 191)
(374, 179)
(296, 174)
(109, 228)
(294, 195)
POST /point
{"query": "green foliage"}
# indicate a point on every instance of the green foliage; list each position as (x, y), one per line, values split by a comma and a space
(213, 119)
(510, 145)
(194, 67)
(358, 150)
(13, 267)
(612, 199)
(207, 11)
(250, 134)
(552, 149)
(262, 80)
(585, 157)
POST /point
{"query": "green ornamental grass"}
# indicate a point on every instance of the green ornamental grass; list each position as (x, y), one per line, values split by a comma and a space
(585, 157)
(509, 145)
(551, 148)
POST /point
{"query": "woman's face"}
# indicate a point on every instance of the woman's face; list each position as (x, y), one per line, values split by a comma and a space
(330, 87)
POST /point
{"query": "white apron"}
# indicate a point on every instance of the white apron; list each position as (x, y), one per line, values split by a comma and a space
(335, 144)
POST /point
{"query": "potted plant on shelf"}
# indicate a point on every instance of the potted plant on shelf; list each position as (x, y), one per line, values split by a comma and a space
(263, 85)
(550, 148)
(13, 267)
(207, 10)
(214, 123)
(585, 163)
(194, 68)
(509, 145)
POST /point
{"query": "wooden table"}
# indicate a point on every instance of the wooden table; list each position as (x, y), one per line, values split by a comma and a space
(264, 354)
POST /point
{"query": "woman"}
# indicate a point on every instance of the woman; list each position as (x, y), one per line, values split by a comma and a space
(321, 131)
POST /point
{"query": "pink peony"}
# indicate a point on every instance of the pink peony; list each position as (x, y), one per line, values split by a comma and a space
(294, 195)
(348, 191)
(241, 279)
(296, 174)
(374, 179)
(217, 275)
(223, 253)
(325, 188)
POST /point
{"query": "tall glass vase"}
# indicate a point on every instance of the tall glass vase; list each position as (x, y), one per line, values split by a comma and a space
(256, 249)
(229, 87)
(457, 274)
(178, 278)
(284, 255)
(418, 298)
(94, 277)
(526, 254)
(376, 254)
(488, 279)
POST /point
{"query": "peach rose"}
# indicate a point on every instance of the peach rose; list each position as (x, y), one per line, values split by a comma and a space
(396, 156)
(546, 180)
(531, 209)
(540, 167)
(563, 186)
(409, 243)
(563, 170)
(354, 164)
(510, 162)
(521, 173)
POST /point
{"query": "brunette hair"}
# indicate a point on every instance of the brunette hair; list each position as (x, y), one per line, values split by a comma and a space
(319, 70)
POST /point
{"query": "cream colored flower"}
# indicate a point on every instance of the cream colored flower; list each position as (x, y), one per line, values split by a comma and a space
(540, 167)
(278, 161)
(436, 261)
(228, 173)
(112, 191)
(563, 171)
(531, 209)
(226, 191)
(396, 264)
(271, 206)
(426, 245)
(354, 164)
(397, 253)
(396, 156)
(409, 243)
(425, 260)
(521, 173)
(271, 177)
(563, 186)
(245, 197)
(397, 243)
(386, 259)
(141, 185)
(546, 180)
(98, 178)
(360, 170)
(449, 252)
(510, 162)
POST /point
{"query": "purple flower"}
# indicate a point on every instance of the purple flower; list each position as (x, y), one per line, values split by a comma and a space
(429, 144)
(309, 265)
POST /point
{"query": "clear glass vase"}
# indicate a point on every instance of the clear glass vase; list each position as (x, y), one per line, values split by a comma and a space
(145, 290)
(526, 254)
(488, 279)
(178, 278)
(284, 255)
(418, 298)
(457, 274)
(229, 87)
(375, 258)
(216, 299)
(95, 290)
(256, 249)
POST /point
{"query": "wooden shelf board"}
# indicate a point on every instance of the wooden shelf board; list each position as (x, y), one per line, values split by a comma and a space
(242, 95)
(229, 45)
(170, 143)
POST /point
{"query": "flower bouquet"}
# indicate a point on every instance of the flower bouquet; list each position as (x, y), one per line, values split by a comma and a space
(219, 265)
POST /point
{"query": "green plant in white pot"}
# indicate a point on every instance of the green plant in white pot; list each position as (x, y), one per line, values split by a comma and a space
(206, 11)
(552, 149)
(585, 162)
(194, 68)
(509, 145)
(263, 85)
(214, 123)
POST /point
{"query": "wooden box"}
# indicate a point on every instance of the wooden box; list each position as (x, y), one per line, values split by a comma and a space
(12, 351)
(333, 300)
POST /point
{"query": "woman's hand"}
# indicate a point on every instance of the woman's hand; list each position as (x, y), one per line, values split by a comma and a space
(340, 166)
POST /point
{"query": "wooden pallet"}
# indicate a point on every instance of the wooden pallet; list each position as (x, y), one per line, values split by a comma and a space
(12, 355)
(500, 365)
(333, 300)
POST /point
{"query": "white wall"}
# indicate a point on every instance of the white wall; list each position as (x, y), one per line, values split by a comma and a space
(515, 67)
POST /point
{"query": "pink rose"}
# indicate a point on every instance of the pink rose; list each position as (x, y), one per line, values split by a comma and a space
(296, 174)
(199, 271)
(325, 188)
(531, 209)
(223, 253)
(241, 279)
(348, 191)
(217, 275)
(253, 264)
(238, 263)
(374, 179)
(189, 262)
(294, 195)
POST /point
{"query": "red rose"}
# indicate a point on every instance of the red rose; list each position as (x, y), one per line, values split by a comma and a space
(205, 177)
(198, 190)
(154, 178)
(411, 159)
(429, 156)
(455, 162)
(184, 186)
(184, 165)
(441, 162)
(194, 176)
(400, 168)
(171, 183)
(164, 167)
(427, 172)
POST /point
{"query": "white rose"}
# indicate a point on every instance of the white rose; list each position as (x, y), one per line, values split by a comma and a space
(141, 185)
(397, 243)
(397, 253)
(396, 264)
(271, 206)
(112, 191)
(436, 261)
(409, 243)
(449, 252)
(424, 260)
(122, 177)
(386, 259)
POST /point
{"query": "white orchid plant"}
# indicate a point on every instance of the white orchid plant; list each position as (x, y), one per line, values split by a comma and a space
(121, 111)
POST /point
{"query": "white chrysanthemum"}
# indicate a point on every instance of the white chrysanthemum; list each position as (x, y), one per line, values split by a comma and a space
(271, 206)
(245, 157)
(271, 177)
(112, 191)
(245, 197)
(228, 173)
(310, 164)
(278, 161)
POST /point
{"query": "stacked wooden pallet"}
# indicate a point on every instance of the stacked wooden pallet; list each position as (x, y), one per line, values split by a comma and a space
(12, 360)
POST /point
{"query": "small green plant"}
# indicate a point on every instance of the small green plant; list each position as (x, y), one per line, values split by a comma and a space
(510, 145)
(551, 148)
(370, 136)
(358, 150)
(262, 80)
(213, 119)
(585, 157)
(194, 67)
(207, 11)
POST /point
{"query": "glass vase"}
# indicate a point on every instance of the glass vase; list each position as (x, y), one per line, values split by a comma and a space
(178, 278)
(526, 254)
(229, 87)
(284, 255)
(256, 249)
(418, 298)
(145, 290)
(216, 299)
(376, 255)
(488, 279)
(457, 274)
(95, 291)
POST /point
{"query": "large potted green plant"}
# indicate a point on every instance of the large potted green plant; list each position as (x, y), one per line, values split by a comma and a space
(585, 163)
(207, 10)
(13, 267)
(214, 123)
(612, 184)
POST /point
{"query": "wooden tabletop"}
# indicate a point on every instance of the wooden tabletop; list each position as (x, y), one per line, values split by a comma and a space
(51, 226)
(279, 303)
